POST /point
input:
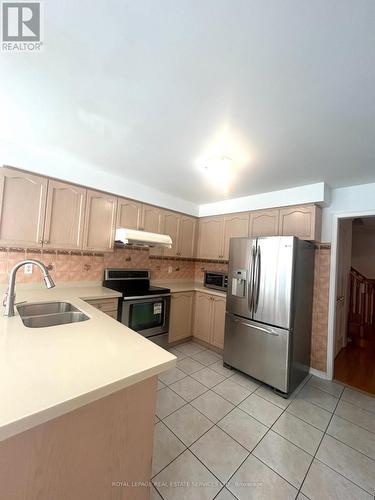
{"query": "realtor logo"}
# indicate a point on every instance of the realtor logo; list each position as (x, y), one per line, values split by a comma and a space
(21, 26)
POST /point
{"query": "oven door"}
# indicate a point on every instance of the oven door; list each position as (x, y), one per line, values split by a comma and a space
(148, 316)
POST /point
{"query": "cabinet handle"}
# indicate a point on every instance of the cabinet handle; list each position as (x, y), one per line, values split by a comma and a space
(46, 242)
(40, 241)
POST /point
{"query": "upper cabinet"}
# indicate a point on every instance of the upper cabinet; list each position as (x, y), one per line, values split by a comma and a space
(99, 230)
(187, 237)
(210, 237)
(22, 208)
(264, 223)
(129, 214)
(152, 219)
(182, 230)
(303, 221)
(216, 232)
(65, 211)
(235, 225)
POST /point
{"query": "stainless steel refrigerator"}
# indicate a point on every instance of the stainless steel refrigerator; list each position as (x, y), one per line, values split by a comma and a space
(269, 309)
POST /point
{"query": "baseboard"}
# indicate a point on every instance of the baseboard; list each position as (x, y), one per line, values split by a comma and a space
(318, 373)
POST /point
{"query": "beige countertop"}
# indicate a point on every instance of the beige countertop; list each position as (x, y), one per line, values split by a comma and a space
(188, 286)
(46, 372)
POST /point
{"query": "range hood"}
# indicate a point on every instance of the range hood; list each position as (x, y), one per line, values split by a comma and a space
(126, 236)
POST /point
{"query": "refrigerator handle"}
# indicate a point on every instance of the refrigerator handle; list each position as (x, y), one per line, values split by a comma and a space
(250, 290)
(265, 330)
(257, 271)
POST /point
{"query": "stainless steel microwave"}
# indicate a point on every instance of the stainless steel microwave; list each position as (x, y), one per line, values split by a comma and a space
(216, 279)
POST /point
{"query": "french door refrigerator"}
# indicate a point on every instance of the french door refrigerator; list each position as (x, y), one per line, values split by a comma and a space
(269, 309)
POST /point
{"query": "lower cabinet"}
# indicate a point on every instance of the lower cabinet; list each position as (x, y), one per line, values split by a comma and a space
(108, 306)
(180, 321)
(209, 318)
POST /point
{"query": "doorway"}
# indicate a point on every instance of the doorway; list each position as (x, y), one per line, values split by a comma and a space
(354, 339)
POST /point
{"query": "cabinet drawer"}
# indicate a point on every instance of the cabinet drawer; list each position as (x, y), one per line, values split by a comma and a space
(113, 314)
(106, 305)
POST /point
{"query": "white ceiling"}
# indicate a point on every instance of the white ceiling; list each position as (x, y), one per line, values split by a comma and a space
(146, 89)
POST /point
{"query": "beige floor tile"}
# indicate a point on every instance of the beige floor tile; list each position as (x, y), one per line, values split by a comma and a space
(359, 399)
(221, 370)
(207, 357)
(167, 401)
(160, 385)
(225, 495)
(333, 388)
(352, 435)
(284, 458)
(272, 397)
(187, 479)
(298, 432)
(318, 398)
(208, 377)
(177, 353)
(171, 376)
(231, 391)
(212, 405)
(264, 411)
(154, 495)
(166, 448)
(188, 388)
(245, 381)
(190, 348)
(189, 365)
(255, 481)
(243, 428)
(219, 453)
(188, 424)
(357, 415)
(310, 413)
(324, 483)
(350, 463)
(301, 496)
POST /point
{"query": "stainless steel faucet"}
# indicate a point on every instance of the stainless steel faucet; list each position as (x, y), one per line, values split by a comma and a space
(10, 295)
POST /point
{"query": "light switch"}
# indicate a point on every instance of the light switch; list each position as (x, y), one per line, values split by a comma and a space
(28, 269)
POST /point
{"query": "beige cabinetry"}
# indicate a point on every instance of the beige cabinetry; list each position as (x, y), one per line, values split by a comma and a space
(65, 211)
(303, 221)
(209, 318)
(264, 223)
(108, 306)
(210, 237)
(180, 323)
(129, 214)
(182, 230)
(100, 213)
(22, 208)
(152, 219)
(235, 225)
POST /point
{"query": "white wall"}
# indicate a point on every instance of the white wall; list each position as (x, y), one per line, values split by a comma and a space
(310, 193)
(353, 199)
(363, 250)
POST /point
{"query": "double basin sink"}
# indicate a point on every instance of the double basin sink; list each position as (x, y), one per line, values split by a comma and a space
(44, 314)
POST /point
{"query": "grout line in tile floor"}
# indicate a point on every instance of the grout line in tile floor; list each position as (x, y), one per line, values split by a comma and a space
(284, 410)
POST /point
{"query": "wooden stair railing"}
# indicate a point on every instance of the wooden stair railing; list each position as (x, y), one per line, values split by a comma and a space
(361, 309)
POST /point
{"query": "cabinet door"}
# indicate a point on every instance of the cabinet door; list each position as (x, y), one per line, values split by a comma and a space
(129, 214)
(172, 227)
(181, 316)
(22, 208)
(100, 213)
(235, 225)
(210, 238)
(153, 222)
(299, 221)
(218, 321)
(202, 316)
(64, 216)
(264, 223)
(187, 237)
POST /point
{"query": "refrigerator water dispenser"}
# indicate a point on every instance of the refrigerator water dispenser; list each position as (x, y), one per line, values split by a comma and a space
(239, 282)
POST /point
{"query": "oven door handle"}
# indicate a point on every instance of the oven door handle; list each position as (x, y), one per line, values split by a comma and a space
(126, 299)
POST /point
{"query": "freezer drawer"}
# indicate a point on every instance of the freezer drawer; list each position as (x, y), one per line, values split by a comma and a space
(260, 351)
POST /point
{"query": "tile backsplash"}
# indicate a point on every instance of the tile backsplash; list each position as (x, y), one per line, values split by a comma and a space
(83, 266)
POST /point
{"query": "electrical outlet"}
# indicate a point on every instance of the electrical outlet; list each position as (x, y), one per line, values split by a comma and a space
(170, 269)
(28, 269)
